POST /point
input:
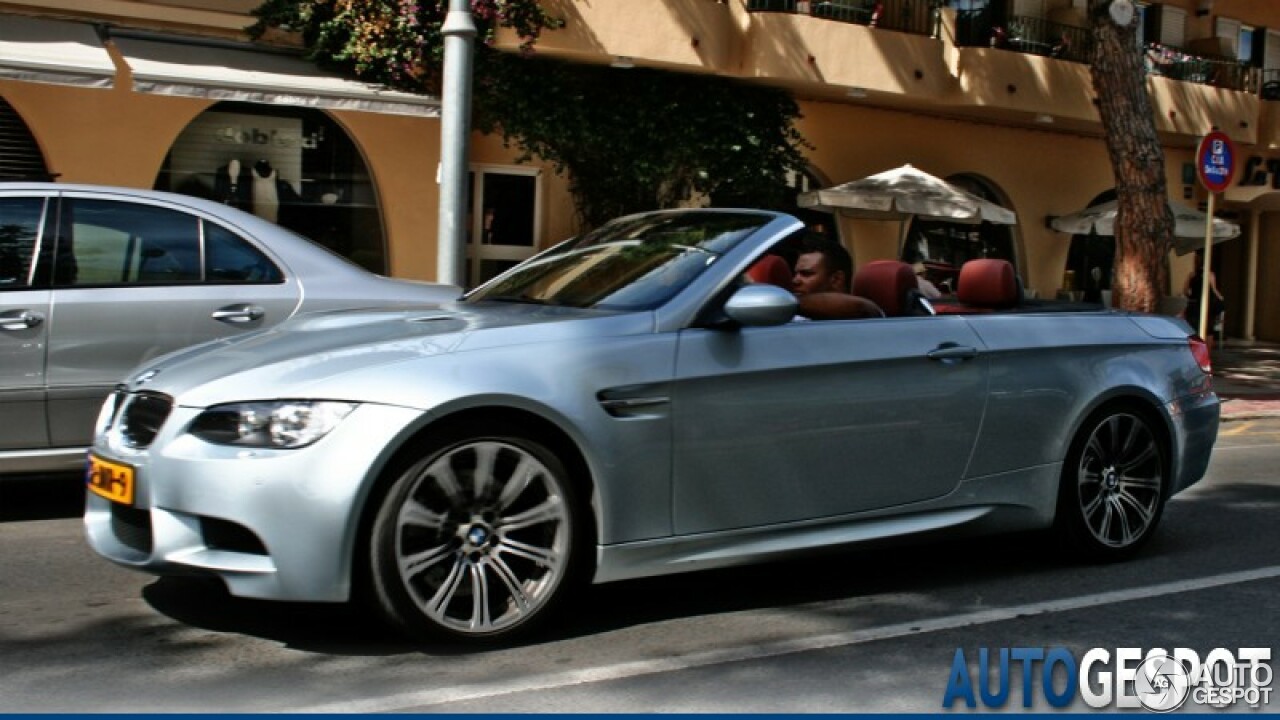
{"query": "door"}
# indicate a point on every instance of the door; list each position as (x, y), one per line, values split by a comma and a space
(505, 220)
(24, 314)
(134, 281)
(819, 419)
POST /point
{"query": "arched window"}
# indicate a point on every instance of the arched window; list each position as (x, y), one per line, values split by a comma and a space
(293, 166)
(944, 246)
(20, 156)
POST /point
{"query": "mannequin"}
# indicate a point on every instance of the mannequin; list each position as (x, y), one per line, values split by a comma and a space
(231, 185)
(266, 197)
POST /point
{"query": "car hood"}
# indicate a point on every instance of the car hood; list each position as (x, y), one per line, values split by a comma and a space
(313, 354)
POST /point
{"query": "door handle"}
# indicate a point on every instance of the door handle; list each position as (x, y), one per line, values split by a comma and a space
(238, 314)
(20, 320)
(952, 353)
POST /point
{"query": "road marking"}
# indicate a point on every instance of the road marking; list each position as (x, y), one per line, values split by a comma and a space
(1238, 429)
(552, 681)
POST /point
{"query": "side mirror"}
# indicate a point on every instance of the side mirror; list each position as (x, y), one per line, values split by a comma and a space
(760, 305)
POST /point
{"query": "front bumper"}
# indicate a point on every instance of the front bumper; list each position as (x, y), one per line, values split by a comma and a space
(273, 524)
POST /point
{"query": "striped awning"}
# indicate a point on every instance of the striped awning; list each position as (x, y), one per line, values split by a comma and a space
(248, 75)
(53, 51)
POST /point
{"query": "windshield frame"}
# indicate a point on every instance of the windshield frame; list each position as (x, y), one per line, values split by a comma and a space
(631, 264)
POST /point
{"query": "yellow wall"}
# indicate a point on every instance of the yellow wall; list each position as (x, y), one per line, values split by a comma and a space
(120, 137)
(402, 154)
(111, 136)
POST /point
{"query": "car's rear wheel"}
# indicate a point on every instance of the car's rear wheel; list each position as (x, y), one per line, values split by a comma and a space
(475, 541)
(1114, 485)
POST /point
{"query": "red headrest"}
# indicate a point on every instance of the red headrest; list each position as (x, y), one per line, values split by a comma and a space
(987, 282)
(886, 283)
(771, 269)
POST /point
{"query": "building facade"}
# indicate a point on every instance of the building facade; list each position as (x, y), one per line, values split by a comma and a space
(994, 95)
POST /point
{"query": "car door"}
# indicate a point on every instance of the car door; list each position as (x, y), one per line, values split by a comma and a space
(24, 312)
(819, 419)
(134, 280)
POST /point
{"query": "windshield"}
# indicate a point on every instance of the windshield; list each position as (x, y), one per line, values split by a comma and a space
(634, 263)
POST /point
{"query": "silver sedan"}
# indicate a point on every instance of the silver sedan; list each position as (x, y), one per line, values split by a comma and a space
(96, 280)
(629, 404)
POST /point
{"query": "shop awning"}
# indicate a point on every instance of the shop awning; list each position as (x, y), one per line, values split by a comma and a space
(223, 73)
(53, 51)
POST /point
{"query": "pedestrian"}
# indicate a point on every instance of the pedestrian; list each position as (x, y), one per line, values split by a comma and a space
(1192, 290)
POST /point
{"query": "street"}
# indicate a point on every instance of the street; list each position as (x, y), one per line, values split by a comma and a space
(870, 630)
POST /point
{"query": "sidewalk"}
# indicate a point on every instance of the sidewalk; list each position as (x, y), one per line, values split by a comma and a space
(1246, 375)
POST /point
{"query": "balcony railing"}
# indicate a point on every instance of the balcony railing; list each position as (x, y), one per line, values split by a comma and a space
(771, 5)
(918, 17)
(1269, 84)
(1031, 35)
(1173, 63)
(1038, 36)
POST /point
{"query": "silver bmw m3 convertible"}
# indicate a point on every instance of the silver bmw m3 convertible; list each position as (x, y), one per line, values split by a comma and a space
(631, 403)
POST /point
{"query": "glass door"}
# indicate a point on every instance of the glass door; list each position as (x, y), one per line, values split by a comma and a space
(504, 211)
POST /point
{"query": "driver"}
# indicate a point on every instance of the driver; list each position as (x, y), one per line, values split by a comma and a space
(821, 283)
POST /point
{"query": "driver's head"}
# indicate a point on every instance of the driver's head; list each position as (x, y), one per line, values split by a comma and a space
(823, 266)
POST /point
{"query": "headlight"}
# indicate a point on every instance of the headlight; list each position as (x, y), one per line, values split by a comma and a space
(107, 415)
(277, 424)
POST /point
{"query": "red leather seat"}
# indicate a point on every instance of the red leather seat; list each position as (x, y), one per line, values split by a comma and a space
(771, 269)
(988, 283)
(891, 284)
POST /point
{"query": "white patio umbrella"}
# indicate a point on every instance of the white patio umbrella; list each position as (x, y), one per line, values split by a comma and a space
(904, 193)
(1188, 230)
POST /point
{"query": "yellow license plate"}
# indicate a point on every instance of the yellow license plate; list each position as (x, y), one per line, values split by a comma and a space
(112, 481)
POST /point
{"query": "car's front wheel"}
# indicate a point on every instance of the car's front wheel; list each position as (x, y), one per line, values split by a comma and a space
(1114, 485)
(475, 540)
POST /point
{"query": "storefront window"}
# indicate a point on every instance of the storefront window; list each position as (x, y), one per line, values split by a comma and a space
(942, 247)
(291, 166)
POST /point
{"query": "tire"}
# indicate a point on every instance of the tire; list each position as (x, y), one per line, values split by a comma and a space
(1114, 486)
(476, 541)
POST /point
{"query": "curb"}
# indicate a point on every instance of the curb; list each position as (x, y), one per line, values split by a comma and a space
(1247, 409)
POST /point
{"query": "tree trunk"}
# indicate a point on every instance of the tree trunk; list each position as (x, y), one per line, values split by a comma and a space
(1144, 225)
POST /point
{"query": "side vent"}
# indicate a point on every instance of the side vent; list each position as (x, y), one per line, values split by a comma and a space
(635, 402)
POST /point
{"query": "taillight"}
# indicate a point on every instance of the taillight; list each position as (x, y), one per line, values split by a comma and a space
(1200, 350)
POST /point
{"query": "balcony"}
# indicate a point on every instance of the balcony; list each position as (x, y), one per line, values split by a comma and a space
(917, 17)
(1030, 35)
(916, 55)
(1176, 64)
(1269, 84)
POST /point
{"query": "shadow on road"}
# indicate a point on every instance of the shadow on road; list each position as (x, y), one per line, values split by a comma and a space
(41, 497)
(354, 629)
(331, 628)
(894, 583)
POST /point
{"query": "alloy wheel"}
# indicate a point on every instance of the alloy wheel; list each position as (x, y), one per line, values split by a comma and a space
(482, 537)
(1120, 481)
